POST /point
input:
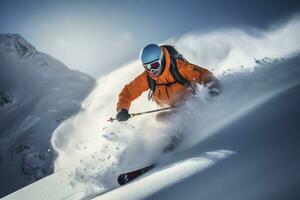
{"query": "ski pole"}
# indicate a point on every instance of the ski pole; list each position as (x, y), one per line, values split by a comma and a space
(142, 113)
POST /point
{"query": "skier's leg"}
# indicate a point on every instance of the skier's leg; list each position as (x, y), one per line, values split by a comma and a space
(175, 139)
(165, 116)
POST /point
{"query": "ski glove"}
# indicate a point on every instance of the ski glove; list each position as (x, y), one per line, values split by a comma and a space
(214, 88)
(123, 115)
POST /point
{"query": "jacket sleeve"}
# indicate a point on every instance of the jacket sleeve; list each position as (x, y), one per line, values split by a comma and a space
(132, 91)
(200, 75)
(195, 74)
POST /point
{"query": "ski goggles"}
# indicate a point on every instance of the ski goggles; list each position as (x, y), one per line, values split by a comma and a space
(154, 67)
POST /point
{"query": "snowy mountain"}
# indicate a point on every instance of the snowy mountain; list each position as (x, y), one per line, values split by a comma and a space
(37, 93)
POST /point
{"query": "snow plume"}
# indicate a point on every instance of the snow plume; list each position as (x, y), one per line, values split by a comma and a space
(92, 151)
(231, 48)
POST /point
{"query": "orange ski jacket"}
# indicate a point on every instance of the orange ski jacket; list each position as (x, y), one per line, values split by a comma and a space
(165, 95)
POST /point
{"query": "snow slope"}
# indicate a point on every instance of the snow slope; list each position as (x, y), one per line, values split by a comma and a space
(92, 152)
(37, 92)
(166, 176)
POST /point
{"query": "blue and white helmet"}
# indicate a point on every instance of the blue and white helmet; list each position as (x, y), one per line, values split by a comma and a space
(151, 57)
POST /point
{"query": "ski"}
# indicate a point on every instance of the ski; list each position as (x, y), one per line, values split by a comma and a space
(129, 176)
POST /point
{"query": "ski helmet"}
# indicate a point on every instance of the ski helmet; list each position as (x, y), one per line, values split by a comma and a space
(151, 57)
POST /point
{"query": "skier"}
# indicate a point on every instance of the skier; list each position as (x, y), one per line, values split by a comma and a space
(170, 78)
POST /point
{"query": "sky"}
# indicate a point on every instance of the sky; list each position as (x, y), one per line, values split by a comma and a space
(98, 36)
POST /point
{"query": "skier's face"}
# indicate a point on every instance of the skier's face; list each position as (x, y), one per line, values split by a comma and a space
(155, 67)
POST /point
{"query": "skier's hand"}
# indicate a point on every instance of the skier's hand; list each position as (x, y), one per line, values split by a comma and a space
(214, 88)
(123, 115)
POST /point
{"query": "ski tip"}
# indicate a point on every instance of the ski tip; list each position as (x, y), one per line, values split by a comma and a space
(129, 176)
(122, 179)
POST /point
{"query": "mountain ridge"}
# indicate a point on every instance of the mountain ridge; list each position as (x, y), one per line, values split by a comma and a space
(37, 93)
